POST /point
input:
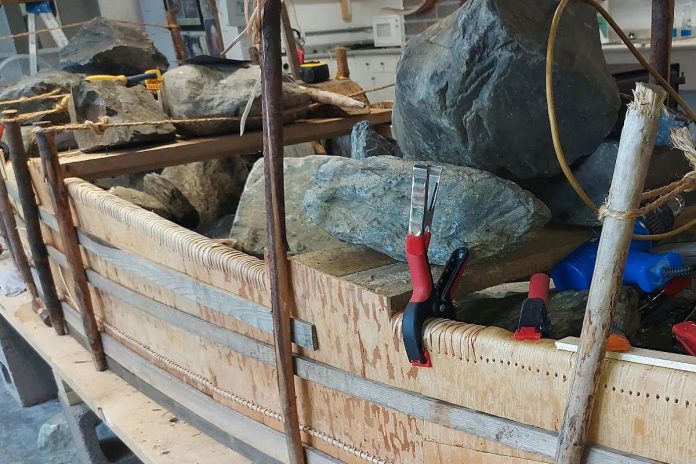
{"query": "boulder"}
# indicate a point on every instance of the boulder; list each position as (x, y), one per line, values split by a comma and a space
(367, 203)
(470, 89)
(106, 47)
(164, 191)
(39, 84)
(249, 226)
(213, 187)
(594, 173)
(197, 91)
(366, 142)
(93, 100)
(143, 200)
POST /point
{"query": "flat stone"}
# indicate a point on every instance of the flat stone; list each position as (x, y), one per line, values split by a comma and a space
(93, 100)
(143, 200)
(196, 91)
(105, 47)
(368, 202)
(366, 142)
(249, 226)
(40, 84)
(213, 187)
(470, 90)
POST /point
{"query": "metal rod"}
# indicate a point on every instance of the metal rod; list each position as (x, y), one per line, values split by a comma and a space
(661, 37)
(281, 294)
(30, 211)
(71, 247)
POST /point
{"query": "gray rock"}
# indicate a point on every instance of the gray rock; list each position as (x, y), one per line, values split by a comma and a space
(367, 203)
(366, 142)
(213, 187)
(106, 47)
(164, 191)
(93, 100)
(470, 89)
(143, 200)
(249, 227)
(594, 173)
(195, 91)
(55, 443)
(566, 311)
(39, 84)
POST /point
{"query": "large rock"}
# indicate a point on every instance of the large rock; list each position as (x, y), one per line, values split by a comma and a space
(164, 190)
(249, 227)
(143, 200)
(213, 187)
(367, 203)
(196, 91)
(470, 89)
(93, 100)
(40, 84)
(366, 142)
(106, 47)
(594, 174)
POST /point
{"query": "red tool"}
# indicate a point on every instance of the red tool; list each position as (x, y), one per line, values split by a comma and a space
(534, 318)
(685, 333)
(428, 299)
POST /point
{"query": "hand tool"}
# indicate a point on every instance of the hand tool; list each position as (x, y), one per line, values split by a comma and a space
(534, 318)
(685, 333)
(428, 299)
(618, 341)
(313, 72)
(152, 79)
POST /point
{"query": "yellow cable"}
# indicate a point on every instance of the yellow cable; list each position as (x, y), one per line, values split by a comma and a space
(551, 106)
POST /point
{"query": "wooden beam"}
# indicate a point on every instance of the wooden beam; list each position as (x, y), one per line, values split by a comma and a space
(278, 266)
(61, 205)
(91, 166)
(661, 37)
(632, 161)
(31, 216)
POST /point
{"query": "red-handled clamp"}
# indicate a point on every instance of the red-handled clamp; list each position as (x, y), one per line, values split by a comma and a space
(685, 333)
(534, 318)
(428, 299)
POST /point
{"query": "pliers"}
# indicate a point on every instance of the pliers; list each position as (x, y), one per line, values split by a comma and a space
(428, 299)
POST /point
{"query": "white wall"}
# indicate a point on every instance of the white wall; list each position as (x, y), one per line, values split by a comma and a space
(152, 12)
(635, 15)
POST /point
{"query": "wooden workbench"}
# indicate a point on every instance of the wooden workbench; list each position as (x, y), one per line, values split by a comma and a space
(145, 426)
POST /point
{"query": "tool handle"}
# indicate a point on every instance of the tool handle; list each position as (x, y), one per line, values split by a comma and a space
(452, 274)
(141, 77)
(539, 287)
(419, 266)
(685, 333)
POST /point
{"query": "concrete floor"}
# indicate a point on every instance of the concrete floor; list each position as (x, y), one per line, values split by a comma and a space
(19, 429)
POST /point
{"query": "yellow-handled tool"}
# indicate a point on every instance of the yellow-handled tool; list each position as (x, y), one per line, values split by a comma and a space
(152, 79)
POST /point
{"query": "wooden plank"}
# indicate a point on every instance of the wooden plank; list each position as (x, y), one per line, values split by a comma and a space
(344, 259)
(680, 362)
(148, 430)
(95, 165)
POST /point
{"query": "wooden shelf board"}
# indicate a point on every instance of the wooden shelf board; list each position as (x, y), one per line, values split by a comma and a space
(91, 166)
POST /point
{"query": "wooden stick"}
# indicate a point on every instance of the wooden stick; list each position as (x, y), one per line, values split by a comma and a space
(61, 206)
(635, 148)
(31, 218)
(14, 243)
(175, 30)
(290, 45)
(342, 69)
(661, 37)
(279, 272)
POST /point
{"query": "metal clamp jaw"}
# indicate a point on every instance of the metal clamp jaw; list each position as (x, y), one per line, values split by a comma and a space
(428, 300)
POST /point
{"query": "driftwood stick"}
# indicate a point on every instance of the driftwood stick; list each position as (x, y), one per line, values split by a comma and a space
(175, 30)
(68, 234)
(635, 148)
(281, 295)
(31, 220)
(661, 37)
(14, 243)
(342, 69)
(290, 44)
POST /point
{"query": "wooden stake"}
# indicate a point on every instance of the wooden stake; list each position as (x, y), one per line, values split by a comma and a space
(177, 39)
(71, 247)
(290, 45)
(14, 243)
(661, 37)
(635, 148)
(279, 272)
(342, 70)
(31, 220)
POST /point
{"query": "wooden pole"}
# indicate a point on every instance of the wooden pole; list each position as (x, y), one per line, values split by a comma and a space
(14, 243)
(177, 39)
(290, 45)
(71, 247)
(279, 272)
(635, 148)
(31, 219)
(342, 70)
(661, 37)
